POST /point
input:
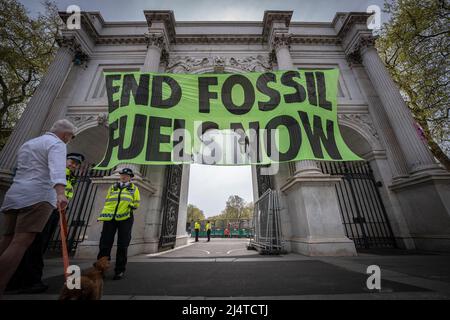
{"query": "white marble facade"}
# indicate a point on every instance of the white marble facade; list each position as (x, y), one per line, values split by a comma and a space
(373, 118)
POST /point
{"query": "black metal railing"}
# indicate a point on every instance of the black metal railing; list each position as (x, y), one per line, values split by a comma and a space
(360, 204)
(79, 210)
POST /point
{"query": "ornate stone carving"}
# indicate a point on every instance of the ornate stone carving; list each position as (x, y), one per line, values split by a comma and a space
(185, 64)
(362, 120)
(82, 120)
(155, 39)
(281, 40)
(80, 58)
(366, 41)
(102, 119)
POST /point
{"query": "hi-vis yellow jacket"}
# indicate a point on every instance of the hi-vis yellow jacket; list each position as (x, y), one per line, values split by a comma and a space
(120, 202)
(70, 184)
(197, 226)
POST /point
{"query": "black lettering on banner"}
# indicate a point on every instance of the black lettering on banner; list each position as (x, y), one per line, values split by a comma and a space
(274, 95)
(243, 139)
(111, 90)
(213, 146)
(287, 80)
(249, 94)
(321, 89)
(317, 137)
(295, 137)
(204, 95)
(137, 141)
(255, 152)
(157, 92)
(311, 88)
(155, 138)
(179, 124)
(130, 86)
(112, 143)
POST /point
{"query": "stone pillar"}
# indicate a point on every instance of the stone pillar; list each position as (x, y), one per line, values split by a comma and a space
(417, 154)
(317, 228)
(155, 45)
(182, 235)
(30, 123)
(396, 159)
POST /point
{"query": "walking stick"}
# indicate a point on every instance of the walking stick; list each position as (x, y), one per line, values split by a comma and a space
(63, 226)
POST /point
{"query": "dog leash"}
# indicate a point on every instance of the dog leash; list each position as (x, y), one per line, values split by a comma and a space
(63, 226)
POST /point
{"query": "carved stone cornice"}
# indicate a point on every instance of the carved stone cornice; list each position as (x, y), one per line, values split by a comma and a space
(165, 16)
(270, 17)
(185, 64)
(348, 20)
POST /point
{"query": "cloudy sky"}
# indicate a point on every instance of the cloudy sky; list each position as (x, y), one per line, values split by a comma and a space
(207, 10)
(211, 186)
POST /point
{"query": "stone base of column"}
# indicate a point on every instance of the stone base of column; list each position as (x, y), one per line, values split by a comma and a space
(151, 245)
(313, 246)
(182, 241)
(90, 249)
(316, 222)
(425, 199)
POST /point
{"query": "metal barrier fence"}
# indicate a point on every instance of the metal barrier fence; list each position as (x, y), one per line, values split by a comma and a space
(79, 210)
(267, 237)
(224, 228)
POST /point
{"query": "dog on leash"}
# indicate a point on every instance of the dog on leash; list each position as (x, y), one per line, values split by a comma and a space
(91, 283)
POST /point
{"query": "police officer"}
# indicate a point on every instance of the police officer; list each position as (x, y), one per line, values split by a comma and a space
(197, 230)
(28, 276)
(117, 215)
(208, 230)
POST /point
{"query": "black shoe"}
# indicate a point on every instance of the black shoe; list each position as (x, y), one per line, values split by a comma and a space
(35, 288)
(118, 276)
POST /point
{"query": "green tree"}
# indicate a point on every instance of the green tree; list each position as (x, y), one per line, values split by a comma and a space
(415, 45)
(194, 213)
(27, 46)
(235, 208)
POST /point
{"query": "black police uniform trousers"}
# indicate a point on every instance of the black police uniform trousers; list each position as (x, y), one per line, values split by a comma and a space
(197, 231)
(31, 266)
(123, 229)
(208, 233)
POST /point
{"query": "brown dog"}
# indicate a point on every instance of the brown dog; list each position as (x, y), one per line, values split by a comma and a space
(91, 283)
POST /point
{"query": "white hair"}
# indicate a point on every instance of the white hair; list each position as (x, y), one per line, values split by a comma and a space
(62, 126)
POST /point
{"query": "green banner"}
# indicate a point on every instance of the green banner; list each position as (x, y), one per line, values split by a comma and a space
(223, 119)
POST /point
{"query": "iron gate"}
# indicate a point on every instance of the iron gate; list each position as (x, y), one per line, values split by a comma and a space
(171, 202)
(362, 210)
(79, 210)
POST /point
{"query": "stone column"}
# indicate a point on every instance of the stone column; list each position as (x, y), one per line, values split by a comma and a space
(417, 154)
(317, 228)
(30, 124)
(155, 45)
(281, 46)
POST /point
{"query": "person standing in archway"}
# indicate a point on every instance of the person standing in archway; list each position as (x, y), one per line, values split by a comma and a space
(197, 230)
(208, 230)
(122, 199)
(28, 276)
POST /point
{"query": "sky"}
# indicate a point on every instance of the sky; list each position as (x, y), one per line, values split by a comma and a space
(210, 186)
(213, 10)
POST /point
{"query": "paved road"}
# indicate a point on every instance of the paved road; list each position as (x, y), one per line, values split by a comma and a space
(225, 269)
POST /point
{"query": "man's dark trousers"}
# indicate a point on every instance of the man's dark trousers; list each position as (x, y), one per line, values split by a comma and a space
(197, 231)
(123, 229)
(209, 234)
(31, 267)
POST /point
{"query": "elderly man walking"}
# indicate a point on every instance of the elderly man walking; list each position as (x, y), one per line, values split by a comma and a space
(37, 189)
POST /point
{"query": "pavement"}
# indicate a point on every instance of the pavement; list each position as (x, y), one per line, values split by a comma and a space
(225, 269)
